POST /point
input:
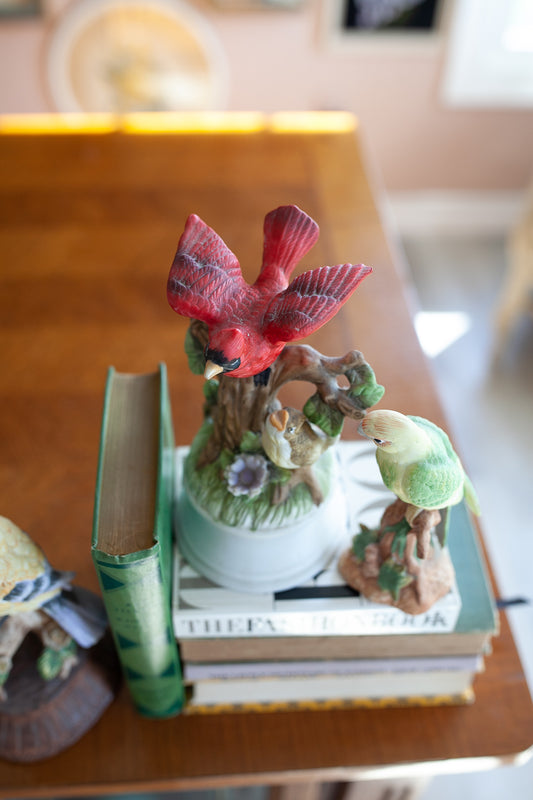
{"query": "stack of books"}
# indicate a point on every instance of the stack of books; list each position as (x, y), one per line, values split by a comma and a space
(324, 645)
(187, 644)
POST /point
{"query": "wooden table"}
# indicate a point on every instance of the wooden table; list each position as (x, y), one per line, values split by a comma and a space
(89, 226)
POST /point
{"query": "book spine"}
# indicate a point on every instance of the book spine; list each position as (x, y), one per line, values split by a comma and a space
(358, 621)
(463, 698)
(260, 669)
(340, 687)
(135, 599)
(327, 647)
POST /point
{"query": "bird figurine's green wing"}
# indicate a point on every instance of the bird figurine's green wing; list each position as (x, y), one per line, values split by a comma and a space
(438, 479)
(432, 484)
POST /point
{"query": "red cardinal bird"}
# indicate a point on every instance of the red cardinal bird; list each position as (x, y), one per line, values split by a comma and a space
(249, 325)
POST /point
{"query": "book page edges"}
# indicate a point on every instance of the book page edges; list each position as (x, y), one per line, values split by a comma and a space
(128, 468)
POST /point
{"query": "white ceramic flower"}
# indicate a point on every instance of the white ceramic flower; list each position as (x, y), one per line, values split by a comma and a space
(247, 474)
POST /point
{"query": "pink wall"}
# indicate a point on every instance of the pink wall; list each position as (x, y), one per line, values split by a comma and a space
(279, 61)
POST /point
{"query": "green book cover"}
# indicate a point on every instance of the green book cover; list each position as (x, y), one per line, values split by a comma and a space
(132, 536)
(478, 607)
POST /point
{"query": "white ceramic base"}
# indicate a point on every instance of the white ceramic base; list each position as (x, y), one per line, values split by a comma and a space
(267, 559)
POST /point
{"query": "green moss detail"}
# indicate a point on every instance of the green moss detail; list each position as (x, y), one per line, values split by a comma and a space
(207, 485)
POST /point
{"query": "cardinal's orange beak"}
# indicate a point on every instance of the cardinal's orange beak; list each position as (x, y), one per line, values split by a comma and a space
(212, 369)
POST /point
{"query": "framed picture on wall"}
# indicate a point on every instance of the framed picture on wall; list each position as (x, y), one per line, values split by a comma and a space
(389, 15)
(19, 8)
(257, 5)
(353, 23)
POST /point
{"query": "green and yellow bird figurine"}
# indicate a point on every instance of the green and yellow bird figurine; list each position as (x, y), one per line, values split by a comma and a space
(417, 462)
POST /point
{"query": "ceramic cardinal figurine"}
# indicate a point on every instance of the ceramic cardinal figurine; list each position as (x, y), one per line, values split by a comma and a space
(291, 441)
(417, 462)
(249, 325)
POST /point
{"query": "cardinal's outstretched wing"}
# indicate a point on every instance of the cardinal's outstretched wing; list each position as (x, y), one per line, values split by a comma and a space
(205, 279)
(311, 300)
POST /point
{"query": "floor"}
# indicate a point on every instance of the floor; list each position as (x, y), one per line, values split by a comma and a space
(488, 399)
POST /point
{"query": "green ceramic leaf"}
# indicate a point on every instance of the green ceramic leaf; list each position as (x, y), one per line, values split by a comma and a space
(279, 474)
(398, 546)
(401, 529)
(195, 354)
(210, 390)
(364, 387)
(250, 442)
(393, 577)
(319, 413)
(361, 540)
(225, 458)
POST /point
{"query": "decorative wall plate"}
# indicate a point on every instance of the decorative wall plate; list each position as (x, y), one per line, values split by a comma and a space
(135, 55)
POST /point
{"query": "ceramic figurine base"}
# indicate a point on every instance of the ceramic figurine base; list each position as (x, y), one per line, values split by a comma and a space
(263, 560)
(39, 719)
(401, 563)
(417, 597)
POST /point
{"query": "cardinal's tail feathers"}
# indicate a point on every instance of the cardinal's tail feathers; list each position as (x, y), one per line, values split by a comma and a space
(289, 233)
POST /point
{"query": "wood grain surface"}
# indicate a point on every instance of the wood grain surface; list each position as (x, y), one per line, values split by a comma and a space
(89, 224)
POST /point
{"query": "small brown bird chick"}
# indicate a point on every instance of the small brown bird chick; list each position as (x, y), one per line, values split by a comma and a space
(291, 441)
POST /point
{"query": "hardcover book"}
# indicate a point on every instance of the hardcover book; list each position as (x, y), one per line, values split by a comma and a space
(132, 529)
(247, 670)
(384, 687)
